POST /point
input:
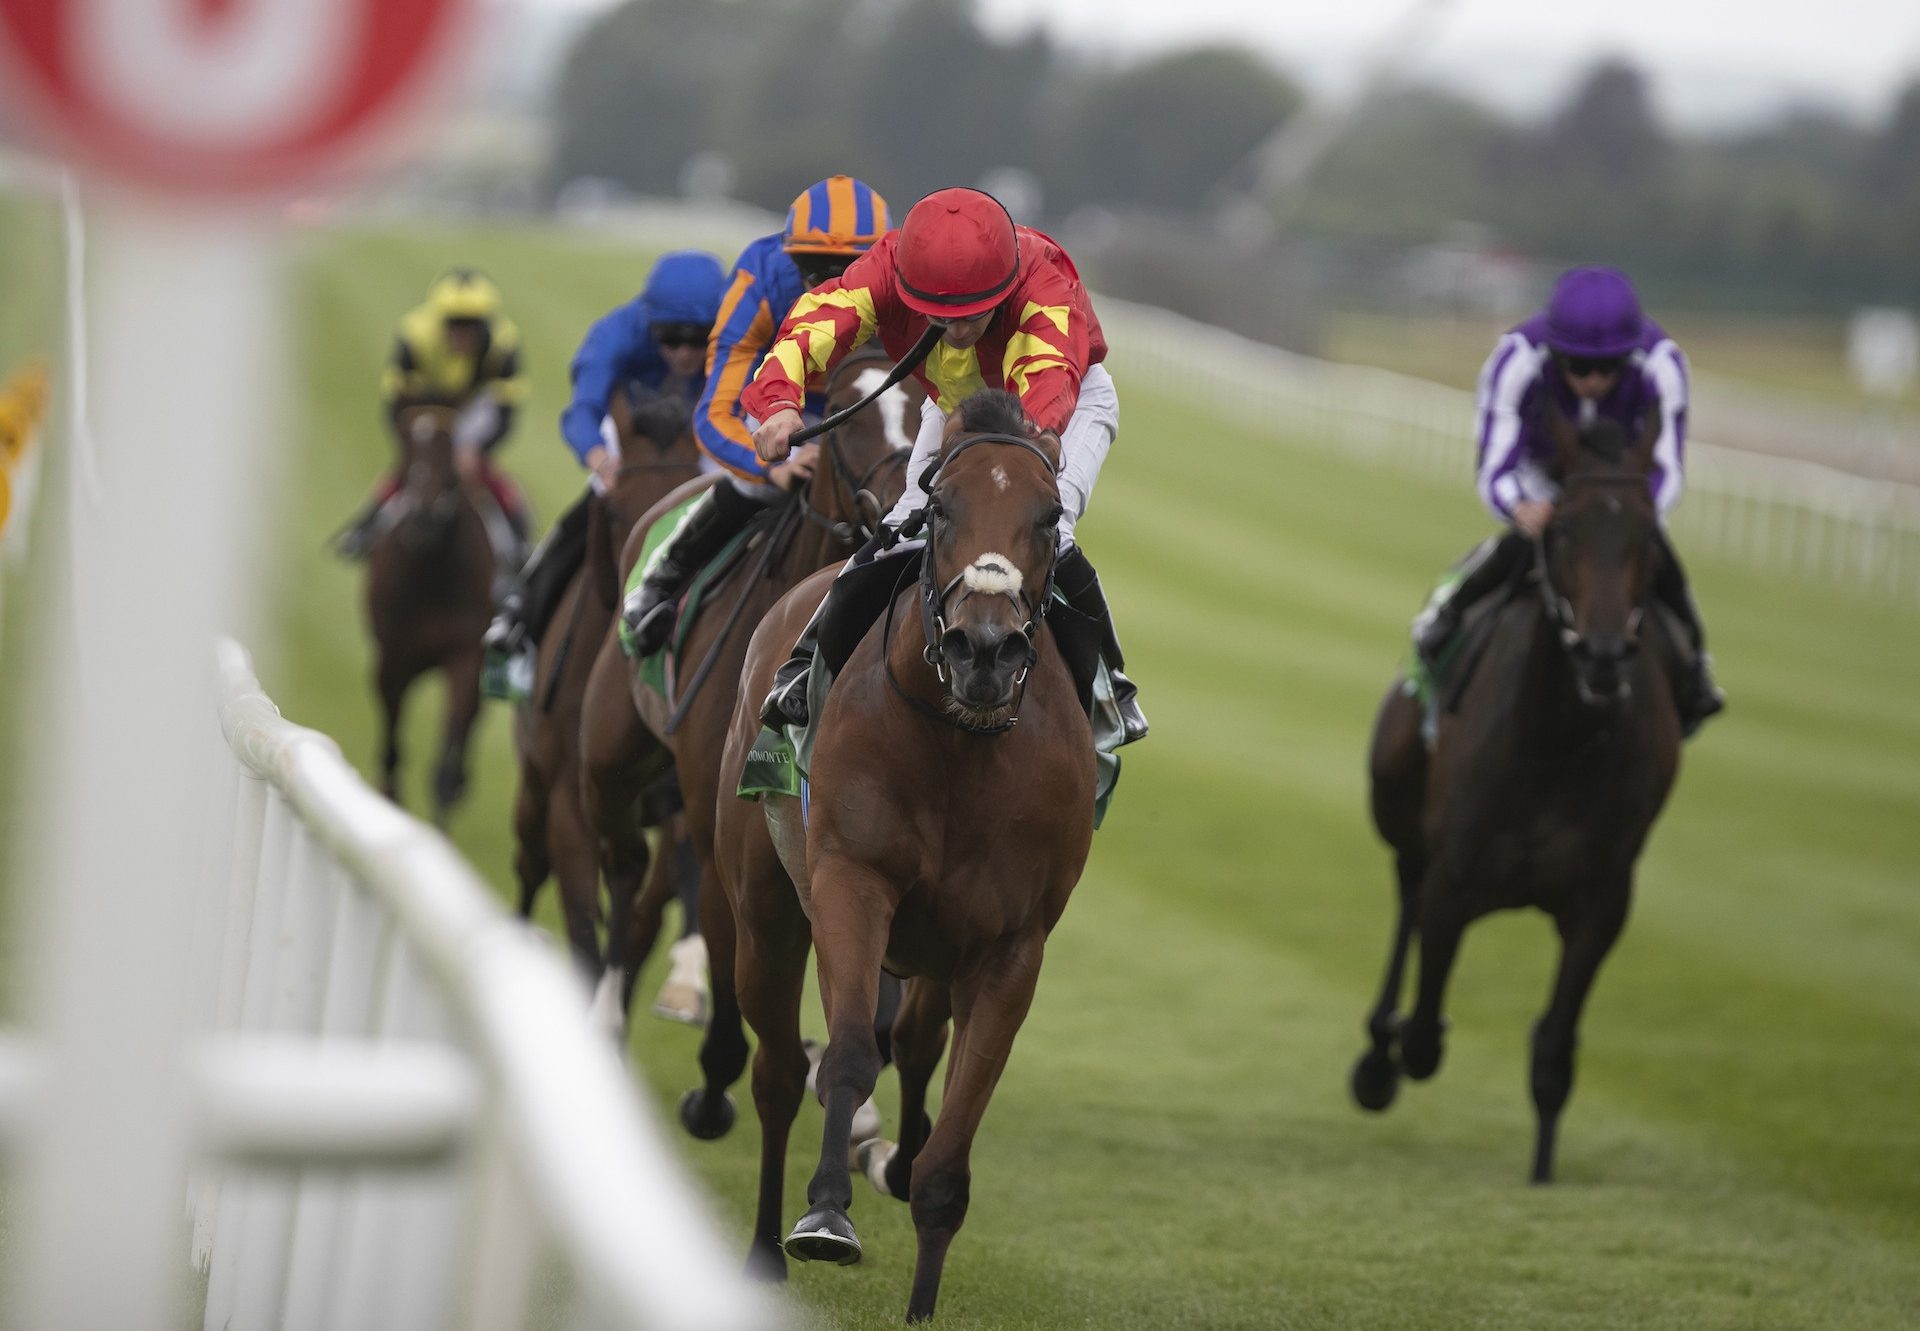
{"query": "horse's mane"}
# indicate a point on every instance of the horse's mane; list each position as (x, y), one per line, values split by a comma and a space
(994, 411)
(662, 420)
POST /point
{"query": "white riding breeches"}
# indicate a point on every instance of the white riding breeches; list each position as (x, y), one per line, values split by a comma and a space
(1090, 432)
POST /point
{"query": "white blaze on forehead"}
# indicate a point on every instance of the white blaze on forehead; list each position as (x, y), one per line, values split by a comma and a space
(999, 478)
(992, 573)
(892, 406)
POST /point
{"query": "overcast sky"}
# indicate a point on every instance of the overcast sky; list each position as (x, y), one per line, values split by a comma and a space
(1713, 61)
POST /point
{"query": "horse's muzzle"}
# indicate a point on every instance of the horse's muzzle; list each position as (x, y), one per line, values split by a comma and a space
(1603, 667)
(984, 664)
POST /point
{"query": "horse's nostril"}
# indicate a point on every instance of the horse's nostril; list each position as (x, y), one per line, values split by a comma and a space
(1013, 651)
(957, 647)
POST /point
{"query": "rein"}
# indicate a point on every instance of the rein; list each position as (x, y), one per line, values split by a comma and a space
(1559, 609)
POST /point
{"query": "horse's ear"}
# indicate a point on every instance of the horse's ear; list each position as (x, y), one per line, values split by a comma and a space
(1562, 434)
(1049, 442)
(1640, 456)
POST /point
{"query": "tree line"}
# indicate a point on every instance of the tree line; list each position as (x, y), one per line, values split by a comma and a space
(1808, 211)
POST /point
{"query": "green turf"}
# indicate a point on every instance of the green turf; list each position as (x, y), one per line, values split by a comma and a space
(1172, 1145)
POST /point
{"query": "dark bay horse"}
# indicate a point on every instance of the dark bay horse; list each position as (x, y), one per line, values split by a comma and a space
(951, 812)
(429, 596)
(628, 735)
(1543, 780)
(550, 823)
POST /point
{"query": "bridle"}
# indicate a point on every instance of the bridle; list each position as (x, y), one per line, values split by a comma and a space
(847, 484)
(1559, 609)
(934, 596)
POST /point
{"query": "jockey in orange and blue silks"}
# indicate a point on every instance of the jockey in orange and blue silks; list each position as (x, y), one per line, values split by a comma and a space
(828, 227)
(1012, 314)
(1592, 353)
(653, 348)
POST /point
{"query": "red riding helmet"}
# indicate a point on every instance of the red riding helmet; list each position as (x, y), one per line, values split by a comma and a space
(957, 254)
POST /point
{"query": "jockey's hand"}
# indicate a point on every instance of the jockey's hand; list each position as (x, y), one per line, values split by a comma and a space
(1531, 516)
(604, 466)
(770, 440)
(797, 470)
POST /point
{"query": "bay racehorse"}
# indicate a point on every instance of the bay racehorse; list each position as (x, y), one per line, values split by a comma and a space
(657, 453)
(429, 596)
(630, 734)
(1545, 775)
(951, 812)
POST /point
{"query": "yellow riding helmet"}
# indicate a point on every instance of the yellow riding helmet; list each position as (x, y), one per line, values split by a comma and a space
(464, 293)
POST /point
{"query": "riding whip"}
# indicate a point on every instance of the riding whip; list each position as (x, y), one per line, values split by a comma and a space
(908, 364)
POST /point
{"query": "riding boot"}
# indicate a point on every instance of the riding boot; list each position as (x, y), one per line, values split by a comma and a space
(715, 518)
(1696, 695)
(1077, 580)
(1489, 565)
(528, 606)
(786, 701)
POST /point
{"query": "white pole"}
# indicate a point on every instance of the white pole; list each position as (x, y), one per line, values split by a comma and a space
(185, 342)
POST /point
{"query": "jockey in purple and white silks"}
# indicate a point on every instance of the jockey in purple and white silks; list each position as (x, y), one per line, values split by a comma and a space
(1591, 354)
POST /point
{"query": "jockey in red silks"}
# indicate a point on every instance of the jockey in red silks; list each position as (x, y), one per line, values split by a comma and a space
(1013, 315)
(457, 349)
(1591, 354)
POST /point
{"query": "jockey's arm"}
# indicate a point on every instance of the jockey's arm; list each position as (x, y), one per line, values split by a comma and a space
(824, 325)
(1666, 370)
(613, 342)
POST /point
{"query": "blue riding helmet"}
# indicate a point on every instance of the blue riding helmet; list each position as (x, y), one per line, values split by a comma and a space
(1594, 312)
(685, 287)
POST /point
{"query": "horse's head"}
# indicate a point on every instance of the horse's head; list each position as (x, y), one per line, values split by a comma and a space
(993, 517)
(429, 477)
(865, 467)
(1599, 553)
(657, 452)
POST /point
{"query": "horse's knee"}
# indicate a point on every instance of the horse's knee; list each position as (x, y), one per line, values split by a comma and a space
(939, 1195)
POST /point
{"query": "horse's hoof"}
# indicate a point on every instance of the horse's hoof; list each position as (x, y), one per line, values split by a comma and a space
(824, 1236)
(872, 1157)
(1375, 1080)
(604, 1014)
(681, 1003)
(683, 997)
(1421, 1051)
(706, 1117)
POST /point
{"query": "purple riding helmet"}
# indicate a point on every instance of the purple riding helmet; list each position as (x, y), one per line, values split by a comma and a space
(1595, 313)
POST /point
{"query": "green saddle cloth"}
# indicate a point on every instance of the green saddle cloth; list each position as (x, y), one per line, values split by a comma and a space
(655, 669)
(780, 760)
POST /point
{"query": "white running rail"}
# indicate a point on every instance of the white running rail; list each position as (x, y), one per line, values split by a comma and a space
(1779, 514)
(417, 1126)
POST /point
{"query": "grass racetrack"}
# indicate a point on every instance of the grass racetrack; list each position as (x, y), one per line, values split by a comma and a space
(1173, 1145)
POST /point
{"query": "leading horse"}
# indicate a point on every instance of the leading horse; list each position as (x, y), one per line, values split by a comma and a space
(429, 596)
(951, 813)
(1545, 776)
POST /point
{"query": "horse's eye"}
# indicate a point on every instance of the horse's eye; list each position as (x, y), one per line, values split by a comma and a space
(1053, 517)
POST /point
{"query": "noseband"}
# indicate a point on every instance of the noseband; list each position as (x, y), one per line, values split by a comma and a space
(934, 596)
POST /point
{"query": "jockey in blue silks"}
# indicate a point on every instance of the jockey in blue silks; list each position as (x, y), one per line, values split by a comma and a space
(1591, 353)
(654, 346)
(832, 223)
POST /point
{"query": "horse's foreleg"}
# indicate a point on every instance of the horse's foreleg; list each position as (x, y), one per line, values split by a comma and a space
(1439, 924)
(463, 708)
(1376, 1077)
(707, 1111)
(683, 994)
(852, 915)
(391, 681)
(919, 1038)
(531, 862)
(1585, 940)
(989, 1004)
(769, 976)
(639, 903)
(576, 871)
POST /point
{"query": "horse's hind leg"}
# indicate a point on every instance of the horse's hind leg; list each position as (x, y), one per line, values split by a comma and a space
(531, 862)
(1376, 1077)
(707, 1111)
(576, 865)
(1440, 922)
(463, 707)
(919, 1038)
(989, 1004)
(639, 907)
(1585, 940)
(683, 994)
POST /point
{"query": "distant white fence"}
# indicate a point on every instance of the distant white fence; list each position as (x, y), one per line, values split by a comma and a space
(418, 1127)
(1774, 513)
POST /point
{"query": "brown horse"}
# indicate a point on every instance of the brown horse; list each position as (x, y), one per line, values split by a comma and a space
(550, 823)
(429, 596)
(628, 731)
(1544, 779)
(940, 840)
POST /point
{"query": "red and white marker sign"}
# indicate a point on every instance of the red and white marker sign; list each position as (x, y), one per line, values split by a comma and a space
(223, 96)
